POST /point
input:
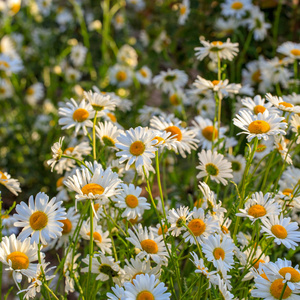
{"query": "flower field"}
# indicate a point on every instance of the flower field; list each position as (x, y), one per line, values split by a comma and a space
(150, 149)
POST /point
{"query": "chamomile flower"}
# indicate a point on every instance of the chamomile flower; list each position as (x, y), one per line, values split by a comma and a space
(100, 238)
(280, 145)
(78, 54)
(118, 293)
(6, 89)
(170, 80)
(56, 153)
(35, 93)
(72, 75)
(70, 267)
(201, 226)
(264, 147)
(216, 249)
(120, 75)
(19, 257)
(217, 49)
(99, 186)
(144, 75)
(13, 185)
(137, 266)
(99, 101)
(290, 49)
(137, 146)
(282, 105)
(41, 219)
(260, 206)
(238, 164)
(201, 268)
(104, 266)
(76, 115)
(215, 166)
(237, 9)
(130, 199)
(263, 125)
(283, 230)
(69, 225)
(184, 138)
(119, 21)
(223, 288)
(295, 125)
(151, 246)
(146, 287)
(178, 218)
(10, 65)
(258, 105)
(184, 11)
(127, 56)
(207, 132)
(107, 133)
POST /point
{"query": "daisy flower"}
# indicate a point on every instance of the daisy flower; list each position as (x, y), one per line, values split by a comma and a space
(41, 219)
(259, 206)
(72, 75)
(237, 9)
(282, 105)
(170, 80)
(19, 256)
(99, 237)
(264, 147)
(107, 133)
(206, 132)
(258, 105)
(215, 166)
(178, 218)
(263, 125)
(78, 54)
(100, 101)
(69, 225)
(295, 125)
(119, 21)
(118, 293)
(144, 75)
(120, 75)
(104, 266)
(70, 267)
(217, 49)
(283, 230)
(184, 11)
(137, 146)
(223, 289)
(10, 65)
(13, 185)
(146, 287)
(127, 56)
(252, 75)
(280, 145)
(136, 267)
(151, 246)
(56, 153)
(215, 249)
(184, 138)
(78, 116)
(8, 221)
(100, 186)
(290, 49)
(35, 93)
(201, 226)
(129, 198)
(6, 89)
(238, 164)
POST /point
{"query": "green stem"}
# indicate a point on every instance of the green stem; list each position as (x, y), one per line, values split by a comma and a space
(159, 184)
(276, 25)
(94, 135)
(91, 248)
(283, 290)
(50, 291)
(0, 241)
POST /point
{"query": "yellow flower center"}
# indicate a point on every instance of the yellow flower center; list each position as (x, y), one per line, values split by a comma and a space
(198, 203)
(217, 43)
(145, 295)
(121, 76)
(149, 246)
(197, 226)
(59, 182)
(131, 201)
(258, 127)
(4, 64)
(215, 82)
(143, 73)
(287, 192)
(277, 287)
(2, 176)
(70, 150)
(257, 262)
(19, 260)
(295, 275)
(38, 220)
(137, 148)
(30, 91)
(133, 221)
(4, 216)
(67, 227)
(94, 188)
(96, 236)
(159, 140)
(112, 117)
(174, 99)
(224, 229)
(159, 232)
(182, 10)
(175, 131)
(295, 52)
(257, 211)
(80, 115)
(261, 148)
(259, 109)
(212, 169)
(96, 206)
(286, 104)
(219, 253)
(237, 5)
(256, 76)
(279, 231)
(210, 133)
(15, 7)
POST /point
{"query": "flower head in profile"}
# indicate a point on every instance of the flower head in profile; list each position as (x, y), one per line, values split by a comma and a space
(13, 185)
(290, 49)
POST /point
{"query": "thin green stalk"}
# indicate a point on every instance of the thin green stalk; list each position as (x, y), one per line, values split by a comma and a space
(198, 246)
(283, 290)
(267, 170)
(243, 53)
(0, 241)
(276, 26)
(94, 135)
(50, 291)
(78, 161)
(91, 248)
(159, 184)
